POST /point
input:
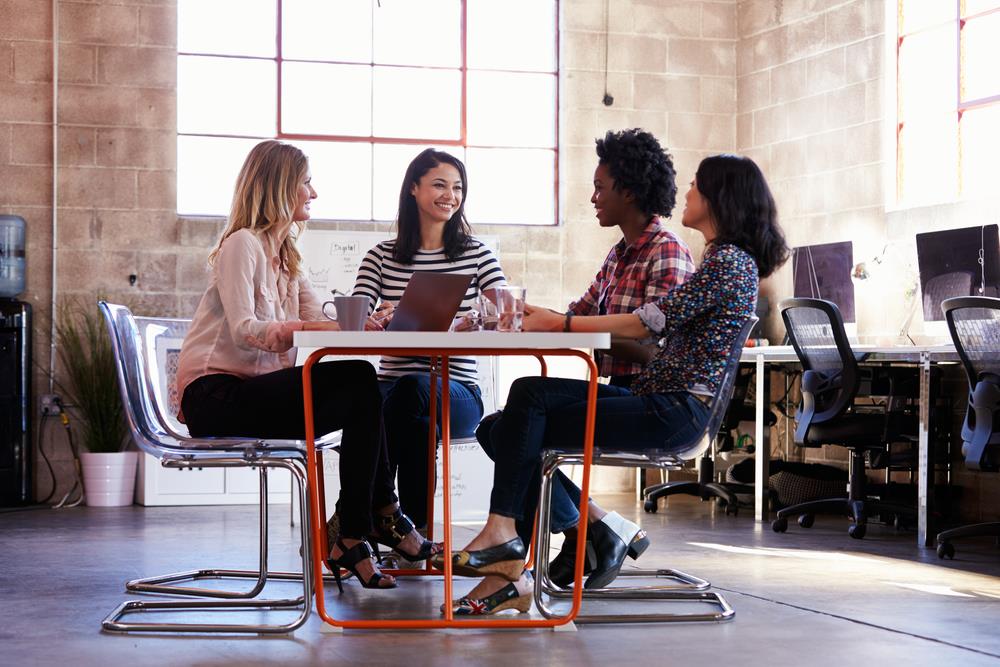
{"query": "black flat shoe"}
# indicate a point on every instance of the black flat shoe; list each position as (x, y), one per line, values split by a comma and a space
(392, 530)
(349, 559)
(613, 538)
(561, 567)
(505, 560)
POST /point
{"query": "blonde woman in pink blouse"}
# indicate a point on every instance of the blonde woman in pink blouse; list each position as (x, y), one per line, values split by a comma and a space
(237, 374)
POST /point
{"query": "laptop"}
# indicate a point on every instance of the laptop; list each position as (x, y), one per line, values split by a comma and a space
(430, 301)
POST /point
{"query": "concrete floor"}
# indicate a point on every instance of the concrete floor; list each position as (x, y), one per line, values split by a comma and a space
(808, 597)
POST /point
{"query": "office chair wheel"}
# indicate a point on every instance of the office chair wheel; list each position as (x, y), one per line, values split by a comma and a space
(733, 509)
(807, 520)
(946, 550)
(779, 525)
(857, 530)
(649, 507)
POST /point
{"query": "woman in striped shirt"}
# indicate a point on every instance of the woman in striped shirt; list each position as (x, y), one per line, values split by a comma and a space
(432, 235)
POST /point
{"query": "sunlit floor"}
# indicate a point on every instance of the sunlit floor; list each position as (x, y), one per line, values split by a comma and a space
(808, 597)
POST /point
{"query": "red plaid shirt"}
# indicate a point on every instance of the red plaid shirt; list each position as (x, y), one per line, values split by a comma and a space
(633, 275)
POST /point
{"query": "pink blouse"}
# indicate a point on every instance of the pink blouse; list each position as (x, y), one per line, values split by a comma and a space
(244, 323)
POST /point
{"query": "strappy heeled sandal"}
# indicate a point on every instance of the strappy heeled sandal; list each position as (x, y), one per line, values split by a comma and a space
(392, 530)
(349, 559)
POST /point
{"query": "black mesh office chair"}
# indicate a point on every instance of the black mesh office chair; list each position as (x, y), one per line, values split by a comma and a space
(827, 415)
(974, 324)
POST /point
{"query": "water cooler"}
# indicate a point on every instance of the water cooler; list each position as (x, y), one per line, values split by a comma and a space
(15, 368)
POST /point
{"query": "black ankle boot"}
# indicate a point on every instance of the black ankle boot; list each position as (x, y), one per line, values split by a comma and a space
(613, 538)
(562, 566)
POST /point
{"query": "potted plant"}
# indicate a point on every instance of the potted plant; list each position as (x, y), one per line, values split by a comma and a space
(90, 383)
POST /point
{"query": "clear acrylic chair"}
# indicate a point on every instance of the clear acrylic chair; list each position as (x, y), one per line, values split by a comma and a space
(144, 348)
(686, 588)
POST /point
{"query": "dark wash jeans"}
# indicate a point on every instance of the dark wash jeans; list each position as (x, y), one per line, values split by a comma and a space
(346, 396)
(406, 412)
(548, 413)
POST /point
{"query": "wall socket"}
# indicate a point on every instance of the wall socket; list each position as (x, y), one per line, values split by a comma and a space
(50, 404)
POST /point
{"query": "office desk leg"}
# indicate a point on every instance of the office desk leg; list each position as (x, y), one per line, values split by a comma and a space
(762, 438)
(925, 462)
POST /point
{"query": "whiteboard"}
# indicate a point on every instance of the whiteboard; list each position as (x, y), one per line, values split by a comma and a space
(332, 256)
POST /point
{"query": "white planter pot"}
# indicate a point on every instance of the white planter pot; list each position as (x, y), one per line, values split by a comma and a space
(109, 479)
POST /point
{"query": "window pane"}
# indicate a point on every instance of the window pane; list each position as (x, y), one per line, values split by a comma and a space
(512, 109)
(928, 156)
(207, 168)
(980, 132)
(322, 30)
(980, 55)
(976, 6)
(391, 161)
(342, 176)
(326, 99)
(493, 172)
(928, 80)
(918, 14)
(491, 24)
(424, 33)
(417, 103)
(226, 27)
(226, 96)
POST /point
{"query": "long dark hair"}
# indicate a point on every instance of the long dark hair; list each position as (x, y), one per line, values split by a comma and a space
(456, 231)
(743, 209)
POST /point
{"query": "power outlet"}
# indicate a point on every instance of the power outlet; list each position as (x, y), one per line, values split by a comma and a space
(50, 404)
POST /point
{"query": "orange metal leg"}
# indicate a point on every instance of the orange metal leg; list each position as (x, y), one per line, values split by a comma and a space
(315, 473)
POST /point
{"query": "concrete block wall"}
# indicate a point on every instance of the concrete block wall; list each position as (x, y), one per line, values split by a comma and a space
(671, 70)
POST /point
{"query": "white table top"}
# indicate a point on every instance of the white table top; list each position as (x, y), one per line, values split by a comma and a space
(778, 353)
(451, 341)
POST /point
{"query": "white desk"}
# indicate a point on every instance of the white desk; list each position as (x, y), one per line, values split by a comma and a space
(439, 346)
(921, 356)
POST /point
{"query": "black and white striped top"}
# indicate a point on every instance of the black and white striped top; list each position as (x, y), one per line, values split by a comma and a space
(382, 278)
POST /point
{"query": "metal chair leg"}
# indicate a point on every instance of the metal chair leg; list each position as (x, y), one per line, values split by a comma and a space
(114, 623)
(687, 588)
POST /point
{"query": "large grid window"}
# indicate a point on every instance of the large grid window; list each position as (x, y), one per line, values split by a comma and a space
(362, 86)
(947, 100)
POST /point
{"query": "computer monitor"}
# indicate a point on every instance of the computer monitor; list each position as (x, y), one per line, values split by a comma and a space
(823, 271)
(957, 262)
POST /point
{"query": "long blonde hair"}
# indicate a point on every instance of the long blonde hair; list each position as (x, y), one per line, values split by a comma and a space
(265, 197)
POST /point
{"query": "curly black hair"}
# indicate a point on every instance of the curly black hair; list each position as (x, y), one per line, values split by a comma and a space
(639, 164)
(743, 209)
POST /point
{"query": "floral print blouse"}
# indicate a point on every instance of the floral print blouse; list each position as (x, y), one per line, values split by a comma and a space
(699, 320)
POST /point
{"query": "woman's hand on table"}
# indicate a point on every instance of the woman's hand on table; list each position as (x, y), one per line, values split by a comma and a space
(320, 325)
(541, 319)
(380, 319)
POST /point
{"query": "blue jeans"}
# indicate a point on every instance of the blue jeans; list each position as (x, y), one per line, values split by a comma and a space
(548, 413)
(565, 494)
(406, 414)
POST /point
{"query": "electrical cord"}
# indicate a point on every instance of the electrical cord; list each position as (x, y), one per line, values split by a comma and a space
(45, 457)
(78, 467)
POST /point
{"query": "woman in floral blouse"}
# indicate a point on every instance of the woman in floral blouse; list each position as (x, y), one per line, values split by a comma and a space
(730, 204)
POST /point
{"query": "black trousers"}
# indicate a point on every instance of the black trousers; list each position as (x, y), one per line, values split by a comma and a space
(346, 396)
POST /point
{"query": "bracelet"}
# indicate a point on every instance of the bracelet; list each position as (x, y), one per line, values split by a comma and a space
(569, 316)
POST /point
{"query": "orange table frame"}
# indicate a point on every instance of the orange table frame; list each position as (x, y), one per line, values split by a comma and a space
(314, 472)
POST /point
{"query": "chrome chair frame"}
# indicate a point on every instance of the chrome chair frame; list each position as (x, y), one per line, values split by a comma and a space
(152, 434)
(687, 588)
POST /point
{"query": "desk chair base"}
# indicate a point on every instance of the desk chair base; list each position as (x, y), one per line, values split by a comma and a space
(687, 589)
(114, 623)
(857, 510)
(946, 549)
